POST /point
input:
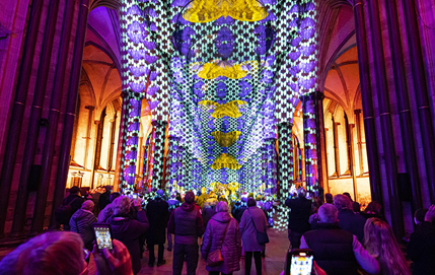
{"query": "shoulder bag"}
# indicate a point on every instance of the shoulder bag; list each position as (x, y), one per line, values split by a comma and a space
(215, 258)
(262, 237)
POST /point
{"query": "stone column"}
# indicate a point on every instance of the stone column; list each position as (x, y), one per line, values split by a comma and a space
(112, 144)
(54, 113)
(402, 96)
(359, 140)
(352, 160)
(14, 130)
(172, 168)
(35, 116)
(367, 102)
(311, 130)
(336, 148)
(65, 150)
(121, 143)
(421, 92)
(321, 140)
(159, 153)
(285, 159)
(88, 135)
(145, 161)
(385, 118)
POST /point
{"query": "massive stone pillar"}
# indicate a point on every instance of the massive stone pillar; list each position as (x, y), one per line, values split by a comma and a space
(35, 117)
(311, 103)
(65, 150)
(385, 118)
(159, 153)
(285, 159)
(23, 82)
(367, 103)
(402, 96)
(421, 92)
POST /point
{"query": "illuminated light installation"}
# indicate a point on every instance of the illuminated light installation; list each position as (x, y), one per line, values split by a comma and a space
(221, 67)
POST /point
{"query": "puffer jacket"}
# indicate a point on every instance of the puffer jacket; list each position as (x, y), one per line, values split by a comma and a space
(81, 222)
(249, 230)
(231, 246)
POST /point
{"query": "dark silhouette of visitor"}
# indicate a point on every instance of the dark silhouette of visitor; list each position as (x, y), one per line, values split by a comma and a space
(421, 246)
(158, 215)
(300, 211)
(69, 206)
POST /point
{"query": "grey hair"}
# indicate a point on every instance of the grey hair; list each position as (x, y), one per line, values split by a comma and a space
(328, 213)
(121, 205)
(59, 252)
(342, 202)
(222, 207)
(87, 205)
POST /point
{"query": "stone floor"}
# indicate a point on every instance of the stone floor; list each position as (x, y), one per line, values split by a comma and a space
(273, 264)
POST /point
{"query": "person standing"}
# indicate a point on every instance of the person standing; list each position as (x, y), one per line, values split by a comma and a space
(104, 199)
(81, 222)
(223, 233)
(421, 246)
(186, 224)
(356, 207)
(209, 209)
(108, 211)
(381, 244)
(239, 208)
(128, 230)
(157, 213)
(69, 206)
(347, 219)
(337, 251)
(172, 203)
(253, 220)
(300, 211)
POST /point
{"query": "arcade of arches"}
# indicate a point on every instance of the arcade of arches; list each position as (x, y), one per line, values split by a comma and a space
(371, 119)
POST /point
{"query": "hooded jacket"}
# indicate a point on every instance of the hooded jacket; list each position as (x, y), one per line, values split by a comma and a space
(128, 231)
(231, 246)
(186, 223)
(81, 223)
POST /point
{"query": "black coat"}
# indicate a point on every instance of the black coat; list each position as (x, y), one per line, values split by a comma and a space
(158, 215)
(104, 200)
(354, 223)
(238, 210)
(421, 249)
(333, 249)
(299, 214)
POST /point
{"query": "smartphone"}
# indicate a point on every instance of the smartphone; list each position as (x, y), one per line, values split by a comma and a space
(103, 236)
(301, 262)
(134, 196)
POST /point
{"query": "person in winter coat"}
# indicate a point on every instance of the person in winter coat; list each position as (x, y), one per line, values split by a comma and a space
(104, 199)
(209, 209)
(223, 232)
(421, 246)
(157, 213)
(81, 222)
(356, 207)
(337, 251)
(172, 203)
(300, 211)
(239, 208)
(347, 219)
(129, 230)
(253, 220)
(73, 200)
(186, 224)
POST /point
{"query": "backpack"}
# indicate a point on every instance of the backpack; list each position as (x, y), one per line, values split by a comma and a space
(64, 212)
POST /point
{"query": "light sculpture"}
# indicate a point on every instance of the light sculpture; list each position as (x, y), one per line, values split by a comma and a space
(227, 75)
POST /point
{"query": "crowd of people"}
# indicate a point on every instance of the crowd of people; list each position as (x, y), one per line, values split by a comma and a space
(343, 239)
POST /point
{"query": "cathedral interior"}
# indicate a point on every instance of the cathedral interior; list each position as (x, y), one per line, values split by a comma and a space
(231, 95)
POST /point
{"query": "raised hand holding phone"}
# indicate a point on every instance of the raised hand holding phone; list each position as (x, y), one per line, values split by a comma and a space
(116, 262)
